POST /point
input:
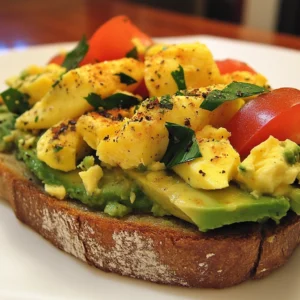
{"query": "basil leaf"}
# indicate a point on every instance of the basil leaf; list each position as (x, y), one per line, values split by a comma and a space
(58, 80)
(182, 146)
(15, 101)
(231, 92)
(57, 148)
(117, 100)
(133, 53)
(124, 78)
(74, 57)
(166, 102)
(178, 76)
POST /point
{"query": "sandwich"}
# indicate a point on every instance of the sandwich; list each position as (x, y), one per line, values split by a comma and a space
(154, 161)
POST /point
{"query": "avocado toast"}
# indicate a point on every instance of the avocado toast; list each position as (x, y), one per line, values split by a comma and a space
(132, 193)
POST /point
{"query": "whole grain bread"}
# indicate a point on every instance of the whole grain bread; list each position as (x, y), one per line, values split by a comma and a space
(162, 250)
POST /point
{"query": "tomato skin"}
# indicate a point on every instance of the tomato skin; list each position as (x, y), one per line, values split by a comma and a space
(57, 59)
(276, 113)
(142, 90)
(231, 65)
(113, 40)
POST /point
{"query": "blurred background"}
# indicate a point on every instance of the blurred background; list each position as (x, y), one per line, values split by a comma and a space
(271, 15)
(31, 22)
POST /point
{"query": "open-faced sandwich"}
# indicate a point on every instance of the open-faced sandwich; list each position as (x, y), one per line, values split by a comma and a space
(154, 161)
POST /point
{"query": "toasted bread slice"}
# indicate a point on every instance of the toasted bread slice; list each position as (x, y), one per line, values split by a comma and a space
(162, 250)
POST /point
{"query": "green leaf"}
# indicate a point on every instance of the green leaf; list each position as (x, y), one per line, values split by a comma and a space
(182, 146)
(126, 79)
(231, 92)
(74, 57)
(166, 102)
(57, 148)
(178, 76)
(133, 53)
(15, 101)
(58, 80)
(117, 100)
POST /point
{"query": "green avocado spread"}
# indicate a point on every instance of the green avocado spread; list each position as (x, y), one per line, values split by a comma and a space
(157, 192)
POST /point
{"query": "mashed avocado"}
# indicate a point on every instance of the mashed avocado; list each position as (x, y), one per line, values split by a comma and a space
(7, 124)
(114, 194)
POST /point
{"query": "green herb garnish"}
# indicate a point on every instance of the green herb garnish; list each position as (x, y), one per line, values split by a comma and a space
(117, 100)
(36, 119)
(15, 101)
(133, 53)
(178, 76)
(166, 102)
(126, 79)
(242, 168)
(57, 148)
(58, 80)
(231, 92)
(182, 146)
(74, 57)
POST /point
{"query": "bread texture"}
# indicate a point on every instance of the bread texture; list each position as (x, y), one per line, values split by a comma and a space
(162, 250)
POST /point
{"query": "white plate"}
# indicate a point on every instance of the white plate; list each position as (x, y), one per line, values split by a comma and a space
(31, 268)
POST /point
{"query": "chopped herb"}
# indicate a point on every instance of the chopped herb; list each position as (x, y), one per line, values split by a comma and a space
(15, 101)
(133, 53)
(232, 91)
(58, 80)
(74, 57)
(292, 156)
(36, 119)
(126, 79)
(178, 76)
(242, 168)
(120, 100)
(179, 93)
(57, 148)
(142, 168)
(166, 102)
(182, 146)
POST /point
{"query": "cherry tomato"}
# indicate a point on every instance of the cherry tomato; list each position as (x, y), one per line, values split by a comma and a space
(57, 59)
(230, 65)
(142, 90)
(276, 113)
(113, 40)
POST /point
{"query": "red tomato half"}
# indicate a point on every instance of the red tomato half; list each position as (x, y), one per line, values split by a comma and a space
(276, 113)
(230, 65)
(57, 59)
(113, 40)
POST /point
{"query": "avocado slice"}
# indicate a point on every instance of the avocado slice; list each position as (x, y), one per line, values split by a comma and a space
(115, 188)
(208, 209)
(7, 124)
(294, 196)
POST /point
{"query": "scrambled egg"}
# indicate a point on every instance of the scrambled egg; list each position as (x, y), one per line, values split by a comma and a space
(57, 191)
(36, 81)
(270, 167)
(218, 163)
(61, 146)
(67, 98)
(91, 178)
(199, 68)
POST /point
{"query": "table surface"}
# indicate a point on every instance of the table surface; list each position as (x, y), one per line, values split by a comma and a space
(34, 22)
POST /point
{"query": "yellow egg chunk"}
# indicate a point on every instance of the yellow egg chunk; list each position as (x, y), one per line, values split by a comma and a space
(36, 81)
(244, 76)
(95, 126)
(185, 110)
(57, 191)
(224, 113)
(267, 169)
(156, 48)
(218, 163)
(91, 178)
(137, 142)
(67, 98)
(199, 68)
(60, 147)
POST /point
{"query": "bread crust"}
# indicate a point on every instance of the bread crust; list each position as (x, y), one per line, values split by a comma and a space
(162, 250)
